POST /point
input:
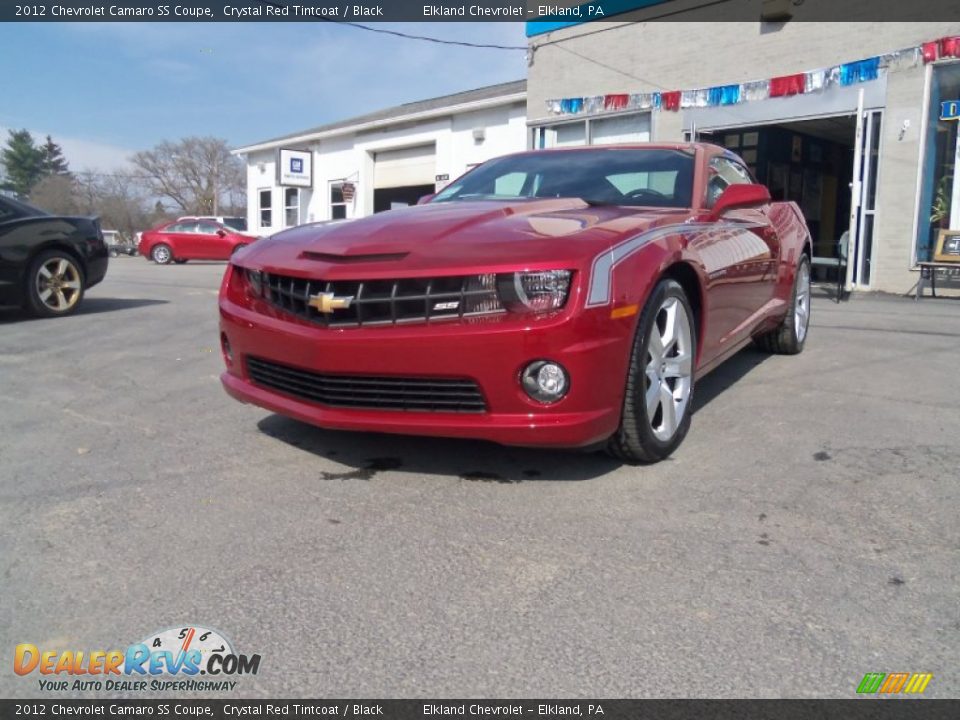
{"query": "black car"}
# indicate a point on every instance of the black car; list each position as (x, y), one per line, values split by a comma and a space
(48, 261)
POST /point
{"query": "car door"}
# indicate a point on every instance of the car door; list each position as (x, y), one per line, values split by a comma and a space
(740, 255)
(216, 241)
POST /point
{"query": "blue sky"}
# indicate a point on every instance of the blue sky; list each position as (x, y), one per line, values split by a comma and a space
(103, 90)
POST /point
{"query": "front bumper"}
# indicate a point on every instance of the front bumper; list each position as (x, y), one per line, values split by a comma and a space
(492, 352)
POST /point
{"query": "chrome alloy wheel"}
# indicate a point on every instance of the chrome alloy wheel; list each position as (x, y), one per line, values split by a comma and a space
(161, 254)
(669, 369)
(801, 304)
(58, 284)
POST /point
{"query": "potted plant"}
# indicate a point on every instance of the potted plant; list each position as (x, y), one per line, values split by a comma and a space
(940, 209)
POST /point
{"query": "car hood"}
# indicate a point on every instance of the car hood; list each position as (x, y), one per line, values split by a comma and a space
(489, 236)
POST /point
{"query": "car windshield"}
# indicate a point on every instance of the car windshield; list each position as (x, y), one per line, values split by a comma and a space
(18, 208)
(640, 177)
(235, 223)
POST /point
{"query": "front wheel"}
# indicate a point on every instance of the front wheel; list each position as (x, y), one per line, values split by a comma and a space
(161, 254)
(55, 285)
(790, 336)
(656, 403)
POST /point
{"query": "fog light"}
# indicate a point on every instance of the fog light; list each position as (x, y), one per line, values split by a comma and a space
(225, 347)
(545, 381)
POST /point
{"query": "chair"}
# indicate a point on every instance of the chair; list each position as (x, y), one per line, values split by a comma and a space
(839, 262)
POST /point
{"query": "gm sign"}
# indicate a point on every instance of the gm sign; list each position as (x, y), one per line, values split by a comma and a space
(295, 168)
(950, 110)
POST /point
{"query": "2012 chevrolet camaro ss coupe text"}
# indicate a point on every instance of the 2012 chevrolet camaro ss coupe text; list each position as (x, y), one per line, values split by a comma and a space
(550, 298)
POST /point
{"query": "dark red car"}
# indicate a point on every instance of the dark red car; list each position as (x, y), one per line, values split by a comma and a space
(185, 239)
(552, 298)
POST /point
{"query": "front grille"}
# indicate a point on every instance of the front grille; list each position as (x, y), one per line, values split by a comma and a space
(360, 391)
(384, 302)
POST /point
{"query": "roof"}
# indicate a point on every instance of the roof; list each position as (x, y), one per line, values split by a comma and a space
(399, 113)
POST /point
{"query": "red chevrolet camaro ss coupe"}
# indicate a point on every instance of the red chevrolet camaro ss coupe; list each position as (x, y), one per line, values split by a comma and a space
(551, 298)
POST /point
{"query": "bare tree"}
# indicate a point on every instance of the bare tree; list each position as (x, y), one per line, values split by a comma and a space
(121, 199)
(56, 194)
(195, 173)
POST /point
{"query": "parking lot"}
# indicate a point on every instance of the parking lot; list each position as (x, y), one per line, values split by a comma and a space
(805, 533)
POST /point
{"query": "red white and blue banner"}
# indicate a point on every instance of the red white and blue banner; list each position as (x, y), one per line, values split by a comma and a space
(812, 81)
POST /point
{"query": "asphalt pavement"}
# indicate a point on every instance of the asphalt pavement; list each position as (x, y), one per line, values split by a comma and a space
(804, 534)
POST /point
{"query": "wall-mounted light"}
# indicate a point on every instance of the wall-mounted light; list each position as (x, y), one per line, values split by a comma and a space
(261, 167)
(479, 134)
(776, 10)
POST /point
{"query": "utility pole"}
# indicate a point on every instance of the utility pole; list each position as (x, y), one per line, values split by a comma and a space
(216, 184)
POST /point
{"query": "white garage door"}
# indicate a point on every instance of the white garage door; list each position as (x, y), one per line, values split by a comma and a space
(404, 167)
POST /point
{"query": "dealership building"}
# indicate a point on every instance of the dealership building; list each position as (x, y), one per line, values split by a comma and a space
(385, 159)
(843, 118)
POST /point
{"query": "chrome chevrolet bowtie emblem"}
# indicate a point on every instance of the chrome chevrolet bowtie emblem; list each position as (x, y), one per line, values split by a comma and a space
(328, 302)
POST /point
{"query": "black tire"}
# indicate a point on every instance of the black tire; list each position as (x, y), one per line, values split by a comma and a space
(178, 261)
(637, 440)
(44, 270)
(787, 338)
(161, 254)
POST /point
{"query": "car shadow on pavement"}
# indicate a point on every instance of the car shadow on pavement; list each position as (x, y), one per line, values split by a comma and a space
(366, 454)
(89, 306)
(734, 369)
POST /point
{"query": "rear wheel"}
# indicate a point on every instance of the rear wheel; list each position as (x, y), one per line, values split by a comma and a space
(161, 254)
(55, 284)
(656, 404)
(790, 336)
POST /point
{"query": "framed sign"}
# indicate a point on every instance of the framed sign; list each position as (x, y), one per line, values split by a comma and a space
(950, 110)
(295, 168)
(948, 247)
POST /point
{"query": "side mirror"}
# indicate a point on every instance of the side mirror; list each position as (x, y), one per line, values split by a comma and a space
(426, 198)
(221, 232)
(740, 196)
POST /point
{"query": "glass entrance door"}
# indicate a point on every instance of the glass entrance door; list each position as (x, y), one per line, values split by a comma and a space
(864, 200)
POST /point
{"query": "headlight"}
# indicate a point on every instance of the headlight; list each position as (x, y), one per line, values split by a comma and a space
(255, 282)
(540, 291)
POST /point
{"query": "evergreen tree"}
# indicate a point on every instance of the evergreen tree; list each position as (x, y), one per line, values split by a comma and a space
(24, 162)
(54, 163)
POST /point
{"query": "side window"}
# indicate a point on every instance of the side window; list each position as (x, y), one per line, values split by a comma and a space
(722, 173)
(266, 208)
(291, 206)
(178, 228)
(338, 204)
(207, 228)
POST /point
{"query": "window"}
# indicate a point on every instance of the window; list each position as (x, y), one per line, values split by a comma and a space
(206, 228)
(724, 172)
(338, 206)
(611, 130)
(291, 206)
(266, 209)
(939, 209)
(565, 135)
(621, 129)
